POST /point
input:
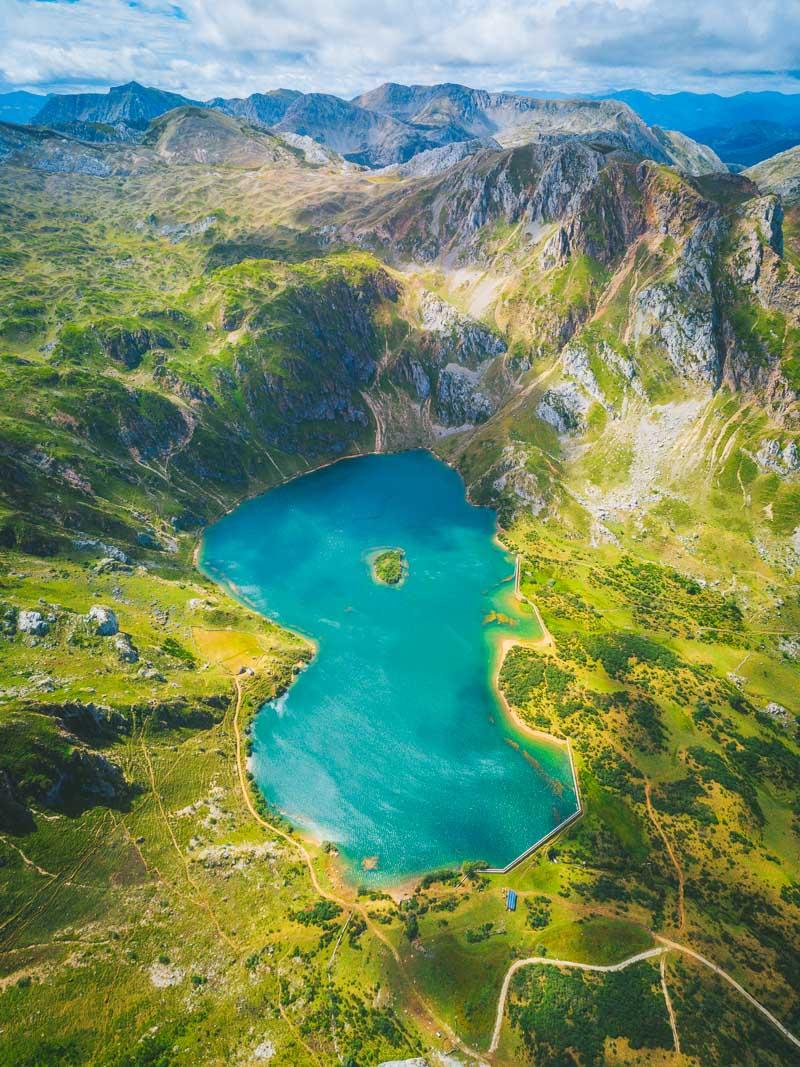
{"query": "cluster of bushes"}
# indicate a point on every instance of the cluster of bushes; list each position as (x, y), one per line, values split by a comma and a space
(539, 912)
(685, 797)
(667, 600)
(618, 651)
(615, 772)
(566, 1017)
(712, 767)
(525, 674)
(320, 914)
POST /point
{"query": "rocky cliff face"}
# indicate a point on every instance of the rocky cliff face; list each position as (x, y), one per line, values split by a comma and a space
(131, 105)
(444, 216)
(452, 365)
(679, 314)
(512, 119)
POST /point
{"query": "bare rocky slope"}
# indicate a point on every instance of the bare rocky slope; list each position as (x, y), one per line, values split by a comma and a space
(779, 174)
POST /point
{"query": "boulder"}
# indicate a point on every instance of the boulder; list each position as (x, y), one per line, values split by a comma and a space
(32, 622)
(103, 620)
(126, 650)
(150, 674)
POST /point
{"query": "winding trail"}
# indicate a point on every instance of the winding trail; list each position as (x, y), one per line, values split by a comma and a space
(665, 946)
(547, 640)
(668, 1001)
(672, 855)
(26, 859)
(674, 947)
(548, 961)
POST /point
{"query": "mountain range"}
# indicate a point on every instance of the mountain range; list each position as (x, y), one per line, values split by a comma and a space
(387, 126)
(742, 129)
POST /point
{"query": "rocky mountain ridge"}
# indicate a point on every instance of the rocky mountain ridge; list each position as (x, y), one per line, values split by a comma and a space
(180, 136)
(388, 125)
(513, 119)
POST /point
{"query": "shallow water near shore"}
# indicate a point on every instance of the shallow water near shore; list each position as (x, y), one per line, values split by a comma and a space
(392, 744)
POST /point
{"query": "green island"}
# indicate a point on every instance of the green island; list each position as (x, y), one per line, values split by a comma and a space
(389, 566)
(202, 315)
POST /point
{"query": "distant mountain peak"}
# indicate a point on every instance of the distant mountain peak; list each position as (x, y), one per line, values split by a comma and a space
(388, 125)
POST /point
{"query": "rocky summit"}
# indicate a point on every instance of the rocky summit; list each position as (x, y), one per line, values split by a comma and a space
(597, 325)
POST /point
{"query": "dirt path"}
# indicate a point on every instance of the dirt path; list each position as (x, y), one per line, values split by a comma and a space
(548, 961)
(672, 855)
(26, 859)
(199, 896)
(665, 946)
(547, 640)
(45, 896)
(668, 1001)
(674, 947)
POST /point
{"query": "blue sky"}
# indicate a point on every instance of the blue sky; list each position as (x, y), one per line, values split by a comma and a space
(205, 48)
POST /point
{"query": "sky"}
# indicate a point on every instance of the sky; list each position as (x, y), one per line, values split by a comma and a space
(206, 48)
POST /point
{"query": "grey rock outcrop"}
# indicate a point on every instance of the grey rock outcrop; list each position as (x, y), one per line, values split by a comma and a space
(103, 621)
(575, 361)
(454, 337)
(565, 408)
(515, 478)
(126, 650)
(681, 315)
(458, 396)
(32, 622)
(783, 459)
(436, 160)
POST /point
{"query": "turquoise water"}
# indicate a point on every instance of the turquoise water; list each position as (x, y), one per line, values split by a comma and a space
(392, 743)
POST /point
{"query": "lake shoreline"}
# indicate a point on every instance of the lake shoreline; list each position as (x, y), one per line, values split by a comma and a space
(497, 650)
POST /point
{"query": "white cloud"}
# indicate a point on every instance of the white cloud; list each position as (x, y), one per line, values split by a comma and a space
(205, 48)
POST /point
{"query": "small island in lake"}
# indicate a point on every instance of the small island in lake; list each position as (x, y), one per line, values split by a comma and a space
(389, 566)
